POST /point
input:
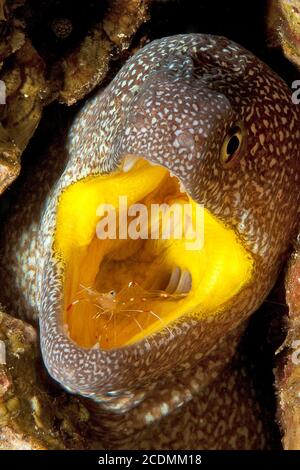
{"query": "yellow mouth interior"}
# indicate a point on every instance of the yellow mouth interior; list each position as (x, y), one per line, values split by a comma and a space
(119, 291)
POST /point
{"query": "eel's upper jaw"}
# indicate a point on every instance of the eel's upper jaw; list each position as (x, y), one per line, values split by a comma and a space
(118, 291)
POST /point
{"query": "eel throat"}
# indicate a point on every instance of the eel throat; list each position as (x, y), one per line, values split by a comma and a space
(130, 273)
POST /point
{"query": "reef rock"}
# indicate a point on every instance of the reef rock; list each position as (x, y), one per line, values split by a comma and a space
(288, 370)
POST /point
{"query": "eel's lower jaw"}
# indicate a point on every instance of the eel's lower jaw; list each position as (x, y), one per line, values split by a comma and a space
(118, 291)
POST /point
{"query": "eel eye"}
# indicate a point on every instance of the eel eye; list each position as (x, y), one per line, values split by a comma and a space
(232, 144)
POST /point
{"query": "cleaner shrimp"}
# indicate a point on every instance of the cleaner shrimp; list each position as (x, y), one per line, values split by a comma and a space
(130, 302)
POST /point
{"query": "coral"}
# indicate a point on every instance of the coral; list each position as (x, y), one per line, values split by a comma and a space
(288, 369)
(33, 413)
(54, 50)
(284, 27)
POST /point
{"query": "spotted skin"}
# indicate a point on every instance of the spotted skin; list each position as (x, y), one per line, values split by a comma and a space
(173, 103)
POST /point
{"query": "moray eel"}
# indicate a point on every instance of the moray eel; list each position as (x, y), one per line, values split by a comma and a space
(191, 118)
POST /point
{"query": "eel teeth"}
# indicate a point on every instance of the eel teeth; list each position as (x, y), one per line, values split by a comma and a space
(182, 188)
(174, 279)
(2, 352)
(129, 163)
(180, 282)
(184, 284)
(181, 185)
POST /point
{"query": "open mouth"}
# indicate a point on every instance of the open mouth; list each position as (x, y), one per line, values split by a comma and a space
(121, 289)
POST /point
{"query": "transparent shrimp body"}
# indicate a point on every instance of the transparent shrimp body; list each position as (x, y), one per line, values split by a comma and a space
(132, 306)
